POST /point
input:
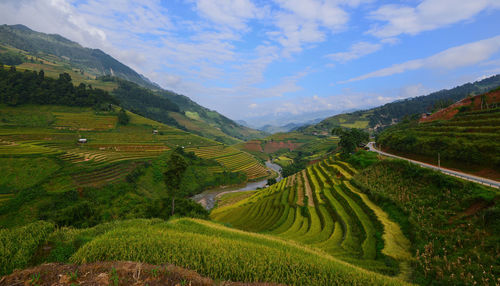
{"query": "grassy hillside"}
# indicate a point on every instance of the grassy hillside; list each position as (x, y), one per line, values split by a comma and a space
(55, 55)
(210, 249)
(466, 135)
(320, 208)
(453, 224)
(44, 166)
(391, 113)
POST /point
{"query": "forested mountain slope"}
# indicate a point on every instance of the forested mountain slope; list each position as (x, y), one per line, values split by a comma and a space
(54, 54)
(391, 113)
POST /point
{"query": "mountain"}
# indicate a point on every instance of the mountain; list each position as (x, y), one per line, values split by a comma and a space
(55, 54)
(283, 118)
(390, 113)
(93, 61)
(285, 128)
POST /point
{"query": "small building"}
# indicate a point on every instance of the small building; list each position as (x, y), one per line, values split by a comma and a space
(82, 140)
(155, 132)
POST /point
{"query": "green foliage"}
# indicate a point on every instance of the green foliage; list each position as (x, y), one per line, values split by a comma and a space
(452, 246)
(17, 245)
(145, 102)
(299, 164)
(31, 87)
(350, 139)
(177, 165)
(470, 138)
(123, 118)
(12, 59)
(362, 159)
(271, 181)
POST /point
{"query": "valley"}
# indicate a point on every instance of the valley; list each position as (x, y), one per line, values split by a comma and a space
(106, 178)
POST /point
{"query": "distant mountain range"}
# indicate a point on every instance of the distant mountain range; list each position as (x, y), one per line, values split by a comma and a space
(92, 66)
(284, 118)
(388, 114)
(287, 127)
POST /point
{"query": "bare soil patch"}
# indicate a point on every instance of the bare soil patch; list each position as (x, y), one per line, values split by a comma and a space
(110, 273)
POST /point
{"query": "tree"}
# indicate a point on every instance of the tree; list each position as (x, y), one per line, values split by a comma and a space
(271, 181)
(123, 118)
(350, 139)
(174, 174)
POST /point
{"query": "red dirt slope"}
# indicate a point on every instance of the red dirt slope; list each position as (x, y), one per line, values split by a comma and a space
(475, 103)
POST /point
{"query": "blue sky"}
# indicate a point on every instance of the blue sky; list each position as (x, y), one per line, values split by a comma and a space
(260, 60)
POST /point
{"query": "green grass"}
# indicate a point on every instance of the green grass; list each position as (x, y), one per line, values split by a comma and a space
(21, 173)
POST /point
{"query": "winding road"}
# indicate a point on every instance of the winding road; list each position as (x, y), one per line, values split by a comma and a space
(468, 177)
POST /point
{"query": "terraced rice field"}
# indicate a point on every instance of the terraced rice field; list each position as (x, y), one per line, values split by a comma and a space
(232, 159)
(320, 208)
(112, 151)
(467, 138)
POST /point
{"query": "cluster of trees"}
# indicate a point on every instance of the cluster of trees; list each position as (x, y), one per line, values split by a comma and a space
(11, 59)
(30, 87)
(144, 101)
(350, 139)
(299, 164)
(186, 175)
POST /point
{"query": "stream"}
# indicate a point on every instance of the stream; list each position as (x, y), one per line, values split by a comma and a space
(207, 198)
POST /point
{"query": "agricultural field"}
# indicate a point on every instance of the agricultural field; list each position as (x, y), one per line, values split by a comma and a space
(453, 224)
(318, 207)
(38, 146)
(466, 135)
(232, 159)
(283, 148)
(210, 249)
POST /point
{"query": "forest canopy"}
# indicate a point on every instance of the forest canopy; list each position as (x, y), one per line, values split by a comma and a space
(31, 87)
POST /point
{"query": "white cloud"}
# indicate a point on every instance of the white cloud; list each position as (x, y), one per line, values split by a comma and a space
(253, 105)
(452, 58)
(427, 15)
(356, 51)
(55, 16)
(230, 13)
(302, 22)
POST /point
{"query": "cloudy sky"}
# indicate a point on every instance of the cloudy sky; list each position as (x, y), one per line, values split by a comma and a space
(250, 58)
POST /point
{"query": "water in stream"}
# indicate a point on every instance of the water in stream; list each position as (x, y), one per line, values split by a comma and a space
(207, 198)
